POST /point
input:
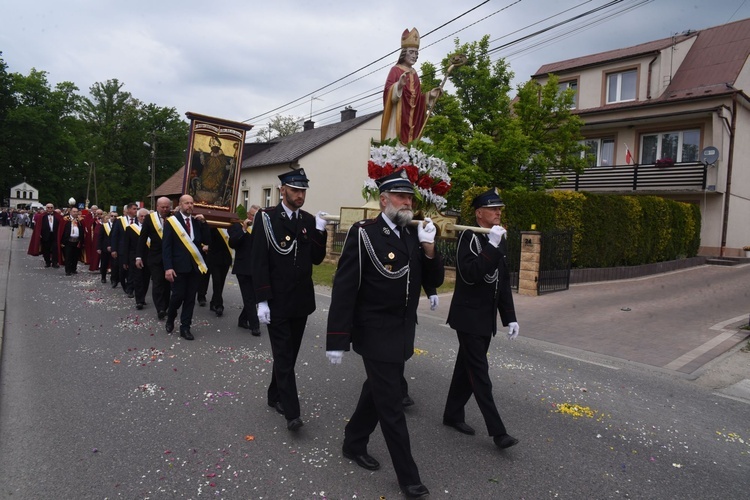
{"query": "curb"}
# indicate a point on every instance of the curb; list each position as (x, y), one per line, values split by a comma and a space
(6, 238)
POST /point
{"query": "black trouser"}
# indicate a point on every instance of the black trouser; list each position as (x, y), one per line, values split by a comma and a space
(160, 290)
(184, 290)
(49, 251)
(141, 279)
(471, 376)
(104, 259)
(286, 338)
(114, 264)
(218, 276)
(71, 252)
(381, 402)
(249, 312)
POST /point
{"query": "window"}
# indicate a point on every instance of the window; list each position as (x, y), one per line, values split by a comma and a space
(599, 152)
(266, 197)
(680, 146)
(572, 84)
(245, 196)
(18, 194)
(621, 86)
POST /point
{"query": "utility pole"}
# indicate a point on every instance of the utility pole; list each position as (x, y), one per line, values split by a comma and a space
(153, 168)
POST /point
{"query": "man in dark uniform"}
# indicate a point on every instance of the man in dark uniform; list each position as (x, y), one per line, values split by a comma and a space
(287, 241)
(218, 260)
(383, 266)
(139, 275)
(118, 244)
(149, 251)
(50, 227)
(103, 246)
(184, 238)
(72, 241)
(241, 239)
(482, 291)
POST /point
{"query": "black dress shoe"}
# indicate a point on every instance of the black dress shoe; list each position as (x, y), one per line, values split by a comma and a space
(114, 284)
(185, 333)
(139, 306)
(75, 272)
(104, 280)
(255, 332)
(55, 265)
(407, 401)
(277, 406)
(294, 424)
(202, 301)
(364, 460)
(219, 310)
(169, 325)
(47, 265)
(131, 295)
(462, 427)
(67, 274)
(504, 441)
(161, 314)
(243, 323)
(415, 491)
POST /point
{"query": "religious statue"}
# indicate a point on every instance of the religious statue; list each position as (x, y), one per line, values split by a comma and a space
(405, 106)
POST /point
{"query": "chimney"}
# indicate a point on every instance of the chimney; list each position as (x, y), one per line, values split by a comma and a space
(308, 125)
(348, 114)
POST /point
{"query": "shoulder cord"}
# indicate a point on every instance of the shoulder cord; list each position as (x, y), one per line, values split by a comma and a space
(272, 238)
(393, 275)
(476, 247)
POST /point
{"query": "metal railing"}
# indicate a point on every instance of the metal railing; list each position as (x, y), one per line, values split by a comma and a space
(678, 176)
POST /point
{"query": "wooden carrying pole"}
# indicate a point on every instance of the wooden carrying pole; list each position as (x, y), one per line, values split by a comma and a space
(450, 227)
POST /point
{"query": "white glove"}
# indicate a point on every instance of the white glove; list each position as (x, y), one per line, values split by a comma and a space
(434, 301)
(264, 313)
(512, 330)
(320, 222)
(496, 234)
(335, 357)
(427, 233)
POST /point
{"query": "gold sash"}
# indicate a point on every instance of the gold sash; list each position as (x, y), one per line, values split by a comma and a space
(225, 236)
(189, 244)
(137, 229)
(124, 222)
(107, 229)
(157, 225)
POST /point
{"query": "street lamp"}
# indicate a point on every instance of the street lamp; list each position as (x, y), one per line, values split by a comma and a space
(92, 169)
(153, 169)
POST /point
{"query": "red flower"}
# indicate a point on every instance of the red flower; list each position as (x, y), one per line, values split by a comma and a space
(441, 188)
(374, 171)
(412, 172)
(425, 182)
(387, 170)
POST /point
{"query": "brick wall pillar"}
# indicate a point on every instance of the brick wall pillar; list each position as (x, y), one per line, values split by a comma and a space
(531, 246)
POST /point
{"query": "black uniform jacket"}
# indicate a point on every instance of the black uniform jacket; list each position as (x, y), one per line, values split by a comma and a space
(130, 244)
(218, 255)
(174, 253)
(482, 286)
(371, 307)
(67, 228)
(282, 257)
(242, 242)
(104, 238)
(150, 253)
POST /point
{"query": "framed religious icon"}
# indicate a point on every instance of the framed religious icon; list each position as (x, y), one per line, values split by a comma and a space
(212, 173)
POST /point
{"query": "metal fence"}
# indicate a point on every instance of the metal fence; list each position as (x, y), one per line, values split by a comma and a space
(555, 261)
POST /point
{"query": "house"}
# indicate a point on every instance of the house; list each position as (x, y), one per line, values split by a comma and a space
(334, 158)
(24, 195)
(670, 118)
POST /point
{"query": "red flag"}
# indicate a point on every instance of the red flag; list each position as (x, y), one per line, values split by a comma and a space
(628, 156)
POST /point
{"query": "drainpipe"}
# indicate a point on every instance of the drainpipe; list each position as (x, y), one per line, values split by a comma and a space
(648, 78)
(728, 190)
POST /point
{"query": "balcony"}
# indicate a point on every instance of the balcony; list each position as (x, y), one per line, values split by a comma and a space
(690, 176)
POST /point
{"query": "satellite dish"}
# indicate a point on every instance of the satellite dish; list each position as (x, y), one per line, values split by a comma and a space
(709, 155)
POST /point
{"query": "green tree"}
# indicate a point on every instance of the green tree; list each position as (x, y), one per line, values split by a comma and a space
(279, 126)
(496, 140)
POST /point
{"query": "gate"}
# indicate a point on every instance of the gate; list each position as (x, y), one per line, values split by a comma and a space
(555, 260)
(513, 256)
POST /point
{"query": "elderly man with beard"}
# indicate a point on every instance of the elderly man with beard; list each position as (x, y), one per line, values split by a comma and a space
(383, 266)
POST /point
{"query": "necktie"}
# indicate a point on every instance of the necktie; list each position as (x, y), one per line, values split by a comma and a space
(187, 225)
(293, 217)
(132, 220)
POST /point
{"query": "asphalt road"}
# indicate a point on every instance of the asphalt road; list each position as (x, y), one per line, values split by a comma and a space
(97, 401)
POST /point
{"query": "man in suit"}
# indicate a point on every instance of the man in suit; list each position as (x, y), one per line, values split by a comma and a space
(241, 239)
(149, 251)
(218, 260)
(287, 242)
(184, 238)
(48, 230)
(117, 237)
(103, 246)
(72, 241)
(138, 275)
(482, 291)
(382, 268)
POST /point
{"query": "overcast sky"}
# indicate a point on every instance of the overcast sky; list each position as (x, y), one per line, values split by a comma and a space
(242, 60)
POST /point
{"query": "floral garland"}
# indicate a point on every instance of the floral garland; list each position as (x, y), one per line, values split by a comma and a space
(429, 174)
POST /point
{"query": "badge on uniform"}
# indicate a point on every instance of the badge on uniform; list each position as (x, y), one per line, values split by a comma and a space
(287, 238)
(283, 244)
(388, 267)
(391, 255)
(386, 231)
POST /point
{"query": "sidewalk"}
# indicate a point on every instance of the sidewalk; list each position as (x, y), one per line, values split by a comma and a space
(6, 238)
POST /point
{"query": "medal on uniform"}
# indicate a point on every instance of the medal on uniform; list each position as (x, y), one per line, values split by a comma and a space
(283, 244)
(391, 255)
(386, 231)
(388, 267)
(287, 238)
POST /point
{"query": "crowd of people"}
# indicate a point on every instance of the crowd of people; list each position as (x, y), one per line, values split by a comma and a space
(17, 219)
(384, 265)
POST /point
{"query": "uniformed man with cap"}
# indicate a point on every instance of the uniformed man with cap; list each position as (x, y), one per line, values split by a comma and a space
(287, 242)
(482, 291)
(381, 271)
